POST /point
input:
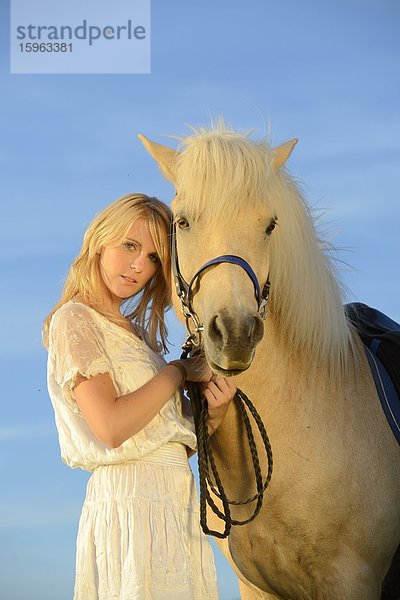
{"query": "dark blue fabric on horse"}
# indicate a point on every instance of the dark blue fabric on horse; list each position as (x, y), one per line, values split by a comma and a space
(381, 338)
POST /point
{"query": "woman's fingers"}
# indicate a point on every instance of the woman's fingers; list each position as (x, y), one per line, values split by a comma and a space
(225, 384)
(219, 391)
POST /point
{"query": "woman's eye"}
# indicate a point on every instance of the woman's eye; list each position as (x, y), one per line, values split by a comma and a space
(182, 223)
(130, 246)
(154, 258)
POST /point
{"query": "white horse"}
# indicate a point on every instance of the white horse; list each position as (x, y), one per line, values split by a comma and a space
(330, 523)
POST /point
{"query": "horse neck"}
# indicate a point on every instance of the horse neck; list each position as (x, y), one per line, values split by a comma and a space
(289, 393)
(278, 379)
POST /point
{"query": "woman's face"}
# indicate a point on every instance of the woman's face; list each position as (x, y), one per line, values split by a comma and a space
(127, 268)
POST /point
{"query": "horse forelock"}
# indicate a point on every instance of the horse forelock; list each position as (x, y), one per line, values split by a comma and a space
(222, 169)
(222, 172)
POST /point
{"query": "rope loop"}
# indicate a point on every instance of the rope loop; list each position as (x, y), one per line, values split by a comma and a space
(207, 466)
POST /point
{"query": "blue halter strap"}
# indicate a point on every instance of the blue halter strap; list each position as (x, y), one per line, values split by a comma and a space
(184, 290)
(234, 260)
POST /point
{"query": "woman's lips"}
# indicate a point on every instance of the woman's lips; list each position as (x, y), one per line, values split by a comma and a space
(129, 280)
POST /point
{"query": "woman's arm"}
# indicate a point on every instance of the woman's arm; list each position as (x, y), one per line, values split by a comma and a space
(114, 419)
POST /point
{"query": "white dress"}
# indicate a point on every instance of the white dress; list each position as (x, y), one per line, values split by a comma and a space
(139, 536)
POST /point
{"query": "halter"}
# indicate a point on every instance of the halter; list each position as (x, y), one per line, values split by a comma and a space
(185, 292)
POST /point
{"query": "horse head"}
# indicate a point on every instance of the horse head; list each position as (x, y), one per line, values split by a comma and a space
(224, 205)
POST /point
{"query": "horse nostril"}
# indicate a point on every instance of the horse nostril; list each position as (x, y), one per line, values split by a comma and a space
(256, 330)
(215, 331)
(251, 328)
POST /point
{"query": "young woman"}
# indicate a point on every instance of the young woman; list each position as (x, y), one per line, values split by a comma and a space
(119, 413)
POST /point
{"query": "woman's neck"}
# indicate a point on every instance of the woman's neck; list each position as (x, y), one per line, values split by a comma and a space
(105, 303)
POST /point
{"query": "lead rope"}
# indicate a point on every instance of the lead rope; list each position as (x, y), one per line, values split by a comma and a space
(206, 460)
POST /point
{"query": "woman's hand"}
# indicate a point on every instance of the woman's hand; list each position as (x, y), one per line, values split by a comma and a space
(196, 368)
(219, 393)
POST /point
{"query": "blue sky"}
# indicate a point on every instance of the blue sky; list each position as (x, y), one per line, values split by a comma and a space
(325, 72)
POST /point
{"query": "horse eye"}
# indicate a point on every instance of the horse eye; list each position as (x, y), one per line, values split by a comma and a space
(271, 226)
(182, 223)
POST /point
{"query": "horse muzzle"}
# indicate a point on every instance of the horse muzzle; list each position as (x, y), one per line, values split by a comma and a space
(230, 342)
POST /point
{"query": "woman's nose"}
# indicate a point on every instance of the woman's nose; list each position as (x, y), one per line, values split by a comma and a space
(139, 262)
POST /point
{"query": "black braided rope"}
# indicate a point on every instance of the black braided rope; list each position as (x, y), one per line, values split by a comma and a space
(206, 462)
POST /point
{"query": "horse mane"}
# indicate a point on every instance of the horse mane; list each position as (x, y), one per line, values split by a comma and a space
(225, 170)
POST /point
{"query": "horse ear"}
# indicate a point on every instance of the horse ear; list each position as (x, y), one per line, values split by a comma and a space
(165, 157)
(281, 153)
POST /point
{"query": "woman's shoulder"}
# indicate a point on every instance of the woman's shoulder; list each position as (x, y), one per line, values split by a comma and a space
(75, 323)
(74, 312)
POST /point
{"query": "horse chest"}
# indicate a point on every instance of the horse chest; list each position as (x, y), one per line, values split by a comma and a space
(278, 562)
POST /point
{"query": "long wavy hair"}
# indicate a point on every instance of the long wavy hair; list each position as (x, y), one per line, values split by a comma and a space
(108, 229)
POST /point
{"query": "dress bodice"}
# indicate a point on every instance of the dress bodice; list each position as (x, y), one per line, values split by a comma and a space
(82, 341)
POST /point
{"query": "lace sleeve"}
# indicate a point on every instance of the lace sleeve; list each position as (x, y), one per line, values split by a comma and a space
(75, 347)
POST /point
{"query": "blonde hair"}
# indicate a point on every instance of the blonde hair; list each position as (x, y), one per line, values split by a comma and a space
(108, 229)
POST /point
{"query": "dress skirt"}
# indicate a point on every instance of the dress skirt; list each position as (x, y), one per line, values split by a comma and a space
(139, 534)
